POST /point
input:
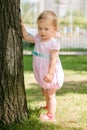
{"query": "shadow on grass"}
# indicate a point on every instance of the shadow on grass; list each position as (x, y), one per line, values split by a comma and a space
(34, 93)
(73, 87)
(33, 123)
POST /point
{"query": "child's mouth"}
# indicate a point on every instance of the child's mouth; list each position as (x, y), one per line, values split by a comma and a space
(42, 35)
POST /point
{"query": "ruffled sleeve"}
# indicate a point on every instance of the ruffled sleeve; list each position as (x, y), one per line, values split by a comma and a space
(55, 44)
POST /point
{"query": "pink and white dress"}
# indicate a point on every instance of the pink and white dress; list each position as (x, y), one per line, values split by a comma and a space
(41, 61)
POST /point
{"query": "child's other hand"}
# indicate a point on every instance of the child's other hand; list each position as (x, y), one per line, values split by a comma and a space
(57, 35)
(48, 78)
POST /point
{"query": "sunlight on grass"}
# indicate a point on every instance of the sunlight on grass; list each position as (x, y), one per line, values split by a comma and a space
(75, 75)
(71, 100)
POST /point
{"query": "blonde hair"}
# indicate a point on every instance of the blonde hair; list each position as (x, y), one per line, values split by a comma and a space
(48, 15)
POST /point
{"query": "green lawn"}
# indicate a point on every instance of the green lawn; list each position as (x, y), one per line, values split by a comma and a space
(71, 98)
(75, 63)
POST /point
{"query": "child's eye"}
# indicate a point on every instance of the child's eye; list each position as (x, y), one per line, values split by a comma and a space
(40, 28)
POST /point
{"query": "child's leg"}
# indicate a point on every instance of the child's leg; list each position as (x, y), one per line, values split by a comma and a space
(51, 102)
(51, 98)
(46, 97)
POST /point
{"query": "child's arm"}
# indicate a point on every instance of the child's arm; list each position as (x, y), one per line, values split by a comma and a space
(53, 60)
(26, 36)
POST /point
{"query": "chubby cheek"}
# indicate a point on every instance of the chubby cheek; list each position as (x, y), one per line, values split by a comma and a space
(39, 32)
(50, 34)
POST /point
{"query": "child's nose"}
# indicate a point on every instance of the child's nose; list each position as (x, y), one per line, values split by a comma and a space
(42, 30)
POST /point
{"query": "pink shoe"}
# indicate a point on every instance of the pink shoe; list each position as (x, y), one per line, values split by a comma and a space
(48, 117)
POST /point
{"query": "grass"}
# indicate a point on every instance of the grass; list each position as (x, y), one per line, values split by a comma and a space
(71, 98)
(74, 63)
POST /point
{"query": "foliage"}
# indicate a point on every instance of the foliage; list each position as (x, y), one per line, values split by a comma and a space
(57, 1)
(27, 17)
(78, 19)
(76, 13)
(78, 22)
(27, 46)
(25, 7)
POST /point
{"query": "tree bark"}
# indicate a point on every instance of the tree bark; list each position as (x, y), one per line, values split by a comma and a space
(13, 104)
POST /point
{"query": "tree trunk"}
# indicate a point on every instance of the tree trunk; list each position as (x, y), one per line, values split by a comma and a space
(13, 104)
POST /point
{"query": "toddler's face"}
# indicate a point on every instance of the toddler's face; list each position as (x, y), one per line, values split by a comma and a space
(46, 29)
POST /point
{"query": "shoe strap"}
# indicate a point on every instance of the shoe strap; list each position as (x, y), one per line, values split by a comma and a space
(46, 107)
(51, 116)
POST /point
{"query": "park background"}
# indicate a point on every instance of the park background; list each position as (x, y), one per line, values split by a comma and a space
(72, 98)
(72, 20)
